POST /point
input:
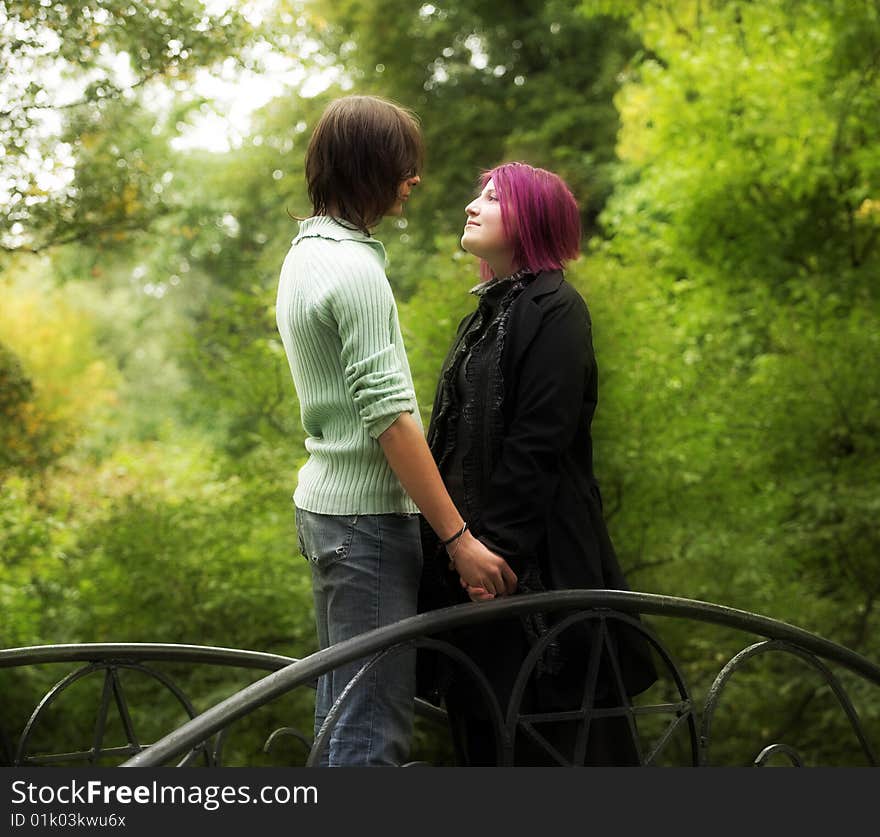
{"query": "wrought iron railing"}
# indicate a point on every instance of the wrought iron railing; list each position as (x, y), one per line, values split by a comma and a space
(107, 660)
(682, 716)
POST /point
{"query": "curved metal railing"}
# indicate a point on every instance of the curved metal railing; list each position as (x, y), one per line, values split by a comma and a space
(601, 605)
(107, 660)
(603, 610)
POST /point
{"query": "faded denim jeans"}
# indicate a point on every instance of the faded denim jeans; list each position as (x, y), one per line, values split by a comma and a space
(365, 575)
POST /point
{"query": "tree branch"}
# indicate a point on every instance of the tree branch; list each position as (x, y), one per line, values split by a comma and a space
(117, 92)
(86, 233)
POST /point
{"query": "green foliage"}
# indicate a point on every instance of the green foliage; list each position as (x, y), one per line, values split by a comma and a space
(18, 444)
(192, 570)
(58, 382)
(156, 545)
(733, 177)
(743, 208)
(490, 81)
(430, 316)
(726, 158)
(108, 53)
(741, 247)
(30, 542)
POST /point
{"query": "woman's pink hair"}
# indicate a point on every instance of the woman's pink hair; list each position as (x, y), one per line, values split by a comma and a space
(539, 214)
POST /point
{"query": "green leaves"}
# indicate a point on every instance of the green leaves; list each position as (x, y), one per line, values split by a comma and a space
(490, 82)
(76, 143)
(726, 159)
(752, 140)
(739, 306)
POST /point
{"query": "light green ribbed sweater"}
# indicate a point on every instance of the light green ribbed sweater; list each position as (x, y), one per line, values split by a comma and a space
(338, 322)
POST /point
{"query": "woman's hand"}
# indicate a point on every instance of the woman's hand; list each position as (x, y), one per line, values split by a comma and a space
(477, 594)
(481, 568)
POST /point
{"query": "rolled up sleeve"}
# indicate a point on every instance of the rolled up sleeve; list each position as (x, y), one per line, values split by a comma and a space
(372, 351)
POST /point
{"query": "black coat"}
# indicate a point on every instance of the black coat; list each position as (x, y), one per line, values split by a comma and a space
(541, 502)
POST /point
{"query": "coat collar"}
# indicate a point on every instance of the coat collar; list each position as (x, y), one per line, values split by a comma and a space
(546, 282)
(527, 316)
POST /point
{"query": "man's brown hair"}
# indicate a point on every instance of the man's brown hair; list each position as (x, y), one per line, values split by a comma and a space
(361, 150)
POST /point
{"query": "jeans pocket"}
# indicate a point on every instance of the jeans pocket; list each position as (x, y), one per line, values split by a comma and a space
(299, 531)
(325, 539)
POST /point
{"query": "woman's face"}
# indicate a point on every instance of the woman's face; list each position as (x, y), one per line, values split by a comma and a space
(403, 191)
(484, 231)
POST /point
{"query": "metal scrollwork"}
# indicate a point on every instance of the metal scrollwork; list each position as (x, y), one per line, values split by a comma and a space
(602, 610)
(780, 647)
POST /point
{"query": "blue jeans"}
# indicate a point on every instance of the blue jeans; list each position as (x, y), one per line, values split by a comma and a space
(365, 574)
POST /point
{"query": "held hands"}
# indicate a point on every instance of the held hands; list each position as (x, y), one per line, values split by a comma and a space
(476, 594)
(483, 573)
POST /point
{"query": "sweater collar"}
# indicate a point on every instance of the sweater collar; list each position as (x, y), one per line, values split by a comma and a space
(335, 229)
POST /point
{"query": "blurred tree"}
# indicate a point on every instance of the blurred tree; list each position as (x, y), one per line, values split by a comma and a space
(231, 236)
(731, 278)
(55, 381)
(490, 81)
(738, 278)
(17, 442)
(75, 142)
(734, 177)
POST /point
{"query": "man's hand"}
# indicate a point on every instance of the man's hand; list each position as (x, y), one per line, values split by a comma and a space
(479, 567)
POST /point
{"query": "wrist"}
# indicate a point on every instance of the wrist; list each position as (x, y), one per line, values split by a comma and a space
(453, 547)
(454, 536)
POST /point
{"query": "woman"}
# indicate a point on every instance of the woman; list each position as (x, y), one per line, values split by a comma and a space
(511, 435)
(369, 469)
